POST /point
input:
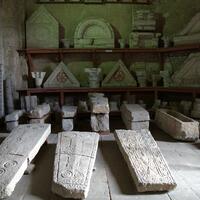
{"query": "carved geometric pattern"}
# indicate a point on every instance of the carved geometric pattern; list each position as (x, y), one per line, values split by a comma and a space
(61, 77)
(119, 76)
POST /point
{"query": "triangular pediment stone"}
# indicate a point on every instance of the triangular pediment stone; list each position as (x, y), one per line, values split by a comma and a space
(61, 77)
(119, 76)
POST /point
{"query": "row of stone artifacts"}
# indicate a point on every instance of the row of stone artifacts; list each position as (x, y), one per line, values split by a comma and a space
(42, 31)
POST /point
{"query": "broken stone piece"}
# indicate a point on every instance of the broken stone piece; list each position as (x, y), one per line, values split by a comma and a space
(39, 111)
(177, 125)
(16, 153)
(146, 163)
(74, 162)
(69, 111)
(100, 122)
(99, 105)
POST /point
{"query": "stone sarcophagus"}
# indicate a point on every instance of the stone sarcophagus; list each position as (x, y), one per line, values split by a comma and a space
(42, 30)
(95, 33)
(177, 125)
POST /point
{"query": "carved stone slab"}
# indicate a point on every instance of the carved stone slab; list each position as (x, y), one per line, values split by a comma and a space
(42, 30)
(17, 151)
(135, 112)
(40, 111)
(100, 122)
(99, 105)
(146, 163)
(61, 77)
(177, 125)
(74, 162)
(119, 76)
(69, 111)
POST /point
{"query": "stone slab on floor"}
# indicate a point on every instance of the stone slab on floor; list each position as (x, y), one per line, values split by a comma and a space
(146, 163)
(74, 162)
(177, 125)
(135, 113)
(99, 105)
(69, 111)
(17, 151)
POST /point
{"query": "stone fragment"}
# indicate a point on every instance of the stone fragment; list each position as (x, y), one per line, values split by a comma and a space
(74, 162)
(100, 122)
(11, 125)
(135, 112)
(2, 111)
(69, 111)
(14, 116)
(9, 96)
(16, 153)
(30, 102)
(61, 77)
(177, 125)
(42, 30)
(99, 105)
(67, 124)
(119, 76)
(40, 111)
(146, 163)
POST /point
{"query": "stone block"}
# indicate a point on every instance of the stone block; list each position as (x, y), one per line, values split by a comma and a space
(99, 105)
(43, 120)
(40, 111)
(177, 125)
(100, 122)
(146, 163)
(14, 116)
(67, 124)
(74, 162)
(11, 125)
(135, 113)
(16, 153)
(69, 111)
(30, 102)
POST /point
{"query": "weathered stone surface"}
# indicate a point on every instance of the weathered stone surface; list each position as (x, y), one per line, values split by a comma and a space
(177, 125)
(11, 125)
(69, 111)
(100, 122)
(61, 77)
(42, 120)
(14, 116)
(99, 105)
(42, 30)
(119, 76)
(146, 163)
(67, 124)
(2, 111)
(9, 96)
(135, 112)
(74, 162)
(94, 33)
(40, 111)
(17, 151)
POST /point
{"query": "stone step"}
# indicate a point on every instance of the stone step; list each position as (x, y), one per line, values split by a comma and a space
(16, 153)
(135, 112)
(177, 125)
(74, 162)
(146, 163)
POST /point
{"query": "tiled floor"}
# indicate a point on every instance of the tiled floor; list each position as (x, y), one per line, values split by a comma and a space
(111, 180)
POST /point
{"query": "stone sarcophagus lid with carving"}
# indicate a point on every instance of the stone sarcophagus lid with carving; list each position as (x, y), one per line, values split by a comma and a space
(95, 33)
(42, 30)
(61, 77)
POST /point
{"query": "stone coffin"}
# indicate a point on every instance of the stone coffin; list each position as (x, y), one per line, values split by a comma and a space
(74, 162)
(99, 105)
(177, 125)
(146, 163)
(16, 153)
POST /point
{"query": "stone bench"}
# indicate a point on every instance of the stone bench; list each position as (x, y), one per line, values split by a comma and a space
(135, 117)
(146, 163)
(74, 162)
(16, 153)
(177, 125)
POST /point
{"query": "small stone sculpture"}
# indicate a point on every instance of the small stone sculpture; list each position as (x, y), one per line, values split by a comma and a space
(39, 77)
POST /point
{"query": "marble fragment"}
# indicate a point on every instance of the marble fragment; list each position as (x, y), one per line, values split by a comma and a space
(100, 122)
(74, 162)
(146, 163)
(99, 105)
(14, 116)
